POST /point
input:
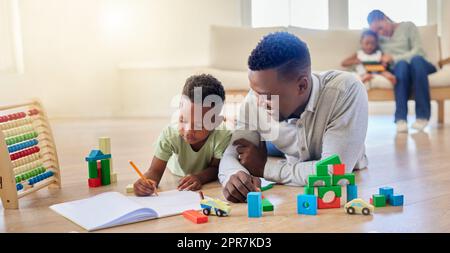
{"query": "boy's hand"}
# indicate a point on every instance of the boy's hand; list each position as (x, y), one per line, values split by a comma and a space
(143, 188)
(386, 59)
(190, 183)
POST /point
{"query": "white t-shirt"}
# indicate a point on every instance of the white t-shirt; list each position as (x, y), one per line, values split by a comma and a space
(363, 57)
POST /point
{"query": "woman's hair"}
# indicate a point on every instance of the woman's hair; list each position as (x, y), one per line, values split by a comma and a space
(376, 15)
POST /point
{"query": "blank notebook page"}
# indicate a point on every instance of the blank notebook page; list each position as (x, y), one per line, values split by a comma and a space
(103, 210)
(170, 202)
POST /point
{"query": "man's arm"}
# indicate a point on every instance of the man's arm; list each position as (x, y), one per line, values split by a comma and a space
(345, 135)
(229, 164)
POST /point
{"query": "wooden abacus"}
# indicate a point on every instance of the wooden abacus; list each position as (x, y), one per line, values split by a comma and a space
(28, 158)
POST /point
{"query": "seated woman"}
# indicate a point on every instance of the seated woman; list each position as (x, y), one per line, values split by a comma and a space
(403, 50)
(367, 60)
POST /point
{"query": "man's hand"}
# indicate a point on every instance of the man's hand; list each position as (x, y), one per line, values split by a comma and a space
(239, 185)
(251, 157)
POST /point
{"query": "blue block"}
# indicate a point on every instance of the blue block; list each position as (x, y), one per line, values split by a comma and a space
(397, 200)
(387, 191)
(352, 192)
(307, 204)
(254, 204)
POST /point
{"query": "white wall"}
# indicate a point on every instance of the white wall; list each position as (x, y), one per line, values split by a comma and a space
(72, 48)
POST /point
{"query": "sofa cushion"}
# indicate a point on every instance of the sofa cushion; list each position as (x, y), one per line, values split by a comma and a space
(328, 48)
(441, 78)
(231, 46)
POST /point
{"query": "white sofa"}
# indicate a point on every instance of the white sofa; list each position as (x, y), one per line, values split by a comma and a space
(231, 46)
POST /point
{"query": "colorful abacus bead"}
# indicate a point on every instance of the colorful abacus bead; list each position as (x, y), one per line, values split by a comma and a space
(19, 187)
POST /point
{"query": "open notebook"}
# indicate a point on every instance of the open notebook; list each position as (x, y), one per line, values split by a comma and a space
(112, 208)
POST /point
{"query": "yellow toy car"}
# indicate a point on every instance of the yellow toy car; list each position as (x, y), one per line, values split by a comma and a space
(220, 208)
(358, 206)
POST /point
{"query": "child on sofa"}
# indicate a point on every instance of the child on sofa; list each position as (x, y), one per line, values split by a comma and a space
(192, 147)
(367, 60)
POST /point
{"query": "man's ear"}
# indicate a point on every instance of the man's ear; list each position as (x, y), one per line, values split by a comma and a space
(302, 84)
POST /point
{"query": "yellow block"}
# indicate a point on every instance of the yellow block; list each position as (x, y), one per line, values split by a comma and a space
(130, 188)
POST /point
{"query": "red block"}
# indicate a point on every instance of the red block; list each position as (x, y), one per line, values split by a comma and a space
(195, 216)
(339, 169)
(336, 203)
(371, 201)
(99, 171)
(95, 182)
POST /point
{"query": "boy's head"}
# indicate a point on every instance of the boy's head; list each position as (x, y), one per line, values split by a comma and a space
(280, 65)
(369, 41)
(200, 106)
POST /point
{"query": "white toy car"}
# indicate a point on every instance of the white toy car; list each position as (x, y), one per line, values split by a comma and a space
(358, 206)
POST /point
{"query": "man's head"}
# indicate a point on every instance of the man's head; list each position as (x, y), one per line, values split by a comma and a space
(369, 41)
(281, 65)
(200, 106)
(380, 23)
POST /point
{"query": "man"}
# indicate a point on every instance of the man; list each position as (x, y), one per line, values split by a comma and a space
(317, 115)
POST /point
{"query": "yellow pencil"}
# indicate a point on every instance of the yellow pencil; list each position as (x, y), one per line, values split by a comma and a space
(143, 177)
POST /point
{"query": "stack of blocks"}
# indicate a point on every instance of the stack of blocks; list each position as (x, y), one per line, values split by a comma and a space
(99, 168)
(386, 196)
(104, 144)
(308, 203)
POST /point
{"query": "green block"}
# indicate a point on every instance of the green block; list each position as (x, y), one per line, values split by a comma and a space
(333, 159)
(308, 190)
(322, 170)
(323, 190)
(313, 178)
(106, 172)
(92, 169)
(349, 177)
(378, 200)
(267, 187)
(266, 205)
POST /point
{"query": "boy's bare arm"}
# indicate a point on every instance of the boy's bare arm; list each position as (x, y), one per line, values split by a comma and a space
(156, 170)
(210, 173)
(350, 61)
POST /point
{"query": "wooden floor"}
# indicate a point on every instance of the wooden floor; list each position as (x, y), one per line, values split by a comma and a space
(415, 164)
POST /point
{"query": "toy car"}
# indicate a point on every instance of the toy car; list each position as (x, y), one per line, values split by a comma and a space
(220, 208)
(358, 206)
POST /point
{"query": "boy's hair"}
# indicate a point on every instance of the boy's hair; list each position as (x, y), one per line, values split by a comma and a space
(376, 15)
(369, 32)
(209, 86)
(283, 51)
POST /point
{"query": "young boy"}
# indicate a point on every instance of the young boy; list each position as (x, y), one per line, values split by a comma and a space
(368, 59)
(193, 147)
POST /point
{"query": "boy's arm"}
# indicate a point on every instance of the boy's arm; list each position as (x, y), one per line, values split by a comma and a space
(210, 173)
(156, 170)
(350, 61)
(195, 182)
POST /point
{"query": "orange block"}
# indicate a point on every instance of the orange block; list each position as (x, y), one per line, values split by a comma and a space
(195, 216)
(336, 203)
